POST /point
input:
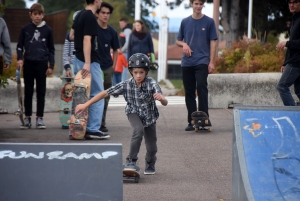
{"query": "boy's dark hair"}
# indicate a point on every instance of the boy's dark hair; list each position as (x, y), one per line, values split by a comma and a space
(88, 2)
(192, 1)
(123, 19)
(36, 8)
(105, 5)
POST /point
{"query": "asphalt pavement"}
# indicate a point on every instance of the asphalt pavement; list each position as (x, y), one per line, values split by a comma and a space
(192, 166)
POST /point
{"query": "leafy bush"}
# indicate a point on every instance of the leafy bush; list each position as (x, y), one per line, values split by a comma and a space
(252, 57)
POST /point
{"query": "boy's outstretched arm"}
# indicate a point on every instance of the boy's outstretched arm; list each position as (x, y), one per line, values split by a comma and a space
(81, 107)
(161, 98)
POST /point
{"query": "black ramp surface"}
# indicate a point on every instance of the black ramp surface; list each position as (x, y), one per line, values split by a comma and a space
(266, 154)
(53, 171)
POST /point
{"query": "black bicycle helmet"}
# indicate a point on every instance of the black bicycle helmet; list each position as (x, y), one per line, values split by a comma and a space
(139, 60)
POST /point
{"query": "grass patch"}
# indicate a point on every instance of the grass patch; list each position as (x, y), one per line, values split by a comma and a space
(177, 83)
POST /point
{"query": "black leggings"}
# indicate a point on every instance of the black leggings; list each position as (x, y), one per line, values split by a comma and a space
(34, 70)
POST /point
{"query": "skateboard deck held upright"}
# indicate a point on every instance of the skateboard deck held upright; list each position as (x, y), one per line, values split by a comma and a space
(81, 94)
(200, 120)
(131, 175)
(20, 111)
(66, 98)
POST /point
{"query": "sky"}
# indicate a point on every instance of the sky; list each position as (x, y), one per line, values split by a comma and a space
(175, 16)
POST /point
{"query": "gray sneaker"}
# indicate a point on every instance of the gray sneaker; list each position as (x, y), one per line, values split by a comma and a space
(39, 123)
(130, 165)
(149, 168)
(27, 123)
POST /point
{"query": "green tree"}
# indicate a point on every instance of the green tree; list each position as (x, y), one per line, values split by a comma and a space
(74, 5)
(145, 5)
(268, 15)
(14, 3)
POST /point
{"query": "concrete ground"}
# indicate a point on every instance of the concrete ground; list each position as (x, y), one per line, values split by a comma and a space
(190, 166)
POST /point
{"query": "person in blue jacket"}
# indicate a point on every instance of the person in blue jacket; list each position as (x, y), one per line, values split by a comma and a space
(140, 40)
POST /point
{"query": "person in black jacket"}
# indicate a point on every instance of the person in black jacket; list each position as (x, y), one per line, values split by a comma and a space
(291, 66)
(140, 40)
(35, 49)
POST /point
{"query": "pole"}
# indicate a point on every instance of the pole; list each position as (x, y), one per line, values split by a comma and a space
(216, 14)
(137, 13)
(163, 42)
(250, 18)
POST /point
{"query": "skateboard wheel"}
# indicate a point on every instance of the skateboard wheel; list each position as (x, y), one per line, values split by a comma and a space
(208, 129)
(206, 121)
(136, 179)
(193, 122)
(68, 122)
(196, 129)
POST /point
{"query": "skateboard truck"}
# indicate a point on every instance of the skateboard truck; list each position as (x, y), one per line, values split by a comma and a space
(131, 175)
(66, 110)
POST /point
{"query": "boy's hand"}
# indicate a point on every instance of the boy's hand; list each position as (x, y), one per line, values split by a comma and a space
(19, 64)
(187, 50)
(211, 68)
(86, 70)
(161, 98)
(49, 71)
(80, 108)
(6, 66)
(68, 73)
(158, 96)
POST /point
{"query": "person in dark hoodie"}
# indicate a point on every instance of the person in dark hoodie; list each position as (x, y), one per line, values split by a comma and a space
(291, 67)
(35, 49)
(140, 40)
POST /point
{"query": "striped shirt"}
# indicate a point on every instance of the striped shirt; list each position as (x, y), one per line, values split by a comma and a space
(68, 53)
(139, 100)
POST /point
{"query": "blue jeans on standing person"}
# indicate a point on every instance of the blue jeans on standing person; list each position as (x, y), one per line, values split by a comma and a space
(96, 109)
(290, 75)
(117, 78)
(125, 70)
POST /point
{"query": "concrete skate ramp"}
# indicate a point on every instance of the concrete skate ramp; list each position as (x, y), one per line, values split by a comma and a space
(266, 154)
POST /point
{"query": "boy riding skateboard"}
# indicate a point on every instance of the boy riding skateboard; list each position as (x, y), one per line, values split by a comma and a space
(140, 93)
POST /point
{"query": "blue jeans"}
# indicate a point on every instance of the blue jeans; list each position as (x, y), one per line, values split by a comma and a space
(125, 70)
(290, 75)
(117, 78)
(96, 109)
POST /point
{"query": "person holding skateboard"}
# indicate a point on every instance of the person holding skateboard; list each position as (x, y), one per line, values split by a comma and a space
(87, 59)
(35, 49)
(140, 93)
(198, 57)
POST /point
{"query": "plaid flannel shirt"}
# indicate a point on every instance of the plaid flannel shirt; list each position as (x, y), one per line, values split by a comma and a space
(139, 99)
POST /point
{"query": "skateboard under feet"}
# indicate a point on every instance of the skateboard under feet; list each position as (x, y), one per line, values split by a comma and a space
(131, 175)
(200, 121)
